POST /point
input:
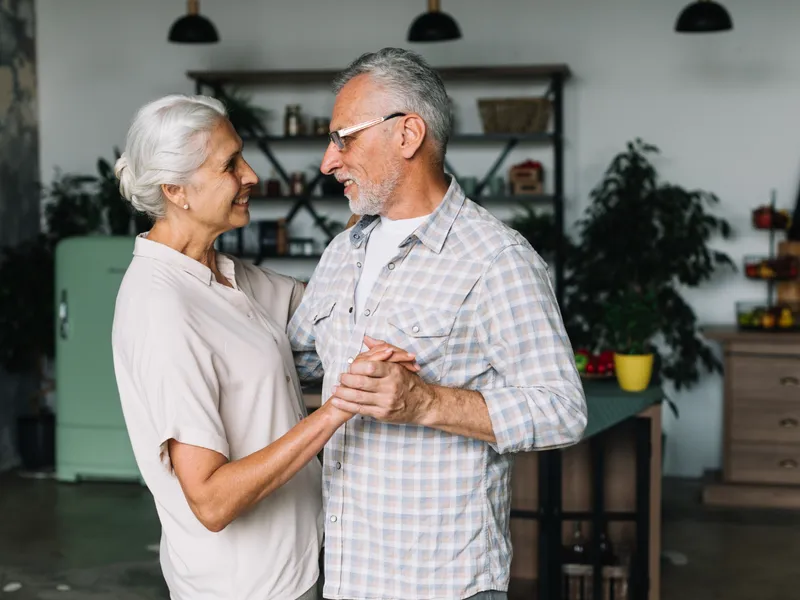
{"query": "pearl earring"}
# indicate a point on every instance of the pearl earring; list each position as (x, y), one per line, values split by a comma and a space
(185, 207)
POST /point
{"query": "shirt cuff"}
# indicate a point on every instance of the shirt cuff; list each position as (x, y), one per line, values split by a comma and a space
(511, 419)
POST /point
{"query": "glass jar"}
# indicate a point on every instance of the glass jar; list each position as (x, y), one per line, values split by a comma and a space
(291, 125)
(298, 184)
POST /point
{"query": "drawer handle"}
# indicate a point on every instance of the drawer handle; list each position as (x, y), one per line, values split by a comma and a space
(787, 423)
(788, 463)
(789, 381)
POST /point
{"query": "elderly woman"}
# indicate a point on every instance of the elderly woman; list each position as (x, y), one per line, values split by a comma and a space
(206, 377)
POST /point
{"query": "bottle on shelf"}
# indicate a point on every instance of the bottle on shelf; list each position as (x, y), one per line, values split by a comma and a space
(575, 552)
(273, 186)
(292, 124)
(298, 184)
(607, 556)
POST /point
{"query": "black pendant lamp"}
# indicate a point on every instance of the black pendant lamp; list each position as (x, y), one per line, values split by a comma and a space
(193, 28)
(434, 26)
(703, 16)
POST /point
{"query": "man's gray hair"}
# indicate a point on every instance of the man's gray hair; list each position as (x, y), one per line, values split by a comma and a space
(166, 143)
(412, 84)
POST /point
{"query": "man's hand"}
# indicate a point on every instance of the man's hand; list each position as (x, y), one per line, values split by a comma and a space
(393, 393)
(381, 351)
(387, 390)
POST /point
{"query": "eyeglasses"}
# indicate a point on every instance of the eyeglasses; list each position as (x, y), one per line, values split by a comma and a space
(337, 137)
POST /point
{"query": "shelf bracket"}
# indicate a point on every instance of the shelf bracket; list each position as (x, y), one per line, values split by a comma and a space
(497, 164)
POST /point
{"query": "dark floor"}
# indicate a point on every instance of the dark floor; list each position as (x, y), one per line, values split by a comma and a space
(93, 541)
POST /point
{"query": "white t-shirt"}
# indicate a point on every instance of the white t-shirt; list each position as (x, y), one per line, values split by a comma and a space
(382, 246)
(212, 367)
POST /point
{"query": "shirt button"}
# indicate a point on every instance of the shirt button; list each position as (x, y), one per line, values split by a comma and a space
(288, 379)
(415, 329)
(350, 361)
(366, 313)
(351, 309)
(358, 264)
(250, 315)
(391, 266)
(338, 466)
(333, 519)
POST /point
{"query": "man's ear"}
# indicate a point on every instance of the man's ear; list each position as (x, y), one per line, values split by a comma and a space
(413, 133)
(176, 194)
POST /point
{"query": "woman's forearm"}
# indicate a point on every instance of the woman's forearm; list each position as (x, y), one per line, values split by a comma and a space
(219, 491)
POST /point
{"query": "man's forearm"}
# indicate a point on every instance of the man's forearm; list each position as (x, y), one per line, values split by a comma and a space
(457, 411)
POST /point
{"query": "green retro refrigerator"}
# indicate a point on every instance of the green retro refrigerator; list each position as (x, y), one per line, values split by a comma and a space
(91, 440)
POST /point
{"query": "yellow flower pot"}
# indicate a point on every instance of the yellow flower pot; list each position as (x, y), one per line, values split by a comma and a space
(633, 371)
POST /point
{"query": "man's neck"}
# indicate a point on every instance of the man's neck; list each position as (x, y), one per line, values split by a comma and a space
(419, 194)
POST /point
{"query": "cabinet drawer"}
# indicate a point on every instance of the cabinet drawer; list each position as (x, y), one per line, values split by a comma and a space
(757, 379)
(768, 422)
(765, 463)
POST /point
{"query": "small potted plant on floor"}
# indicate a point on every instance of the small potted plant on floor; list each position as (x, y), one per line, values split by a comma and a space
(633, 319)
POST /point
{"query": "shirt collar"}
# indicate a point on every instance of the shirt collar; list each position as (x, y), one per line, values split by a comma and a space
(433, 232)
(163, 253)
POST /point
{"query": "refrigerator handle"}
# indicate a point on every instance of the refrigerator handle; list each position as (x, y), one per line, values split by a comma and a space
(63, 316)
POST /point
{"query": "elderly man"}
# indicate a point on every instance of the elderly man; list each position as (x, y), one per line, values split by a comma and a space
(417, 486)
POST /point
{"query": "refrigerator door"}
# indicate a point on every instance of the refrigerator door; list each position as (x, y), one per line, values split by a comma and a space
(91, 439)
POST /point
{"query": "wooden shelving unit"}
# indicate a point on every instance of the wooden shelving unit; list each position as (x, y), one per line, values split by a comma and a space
(554, 75)
(295, 76)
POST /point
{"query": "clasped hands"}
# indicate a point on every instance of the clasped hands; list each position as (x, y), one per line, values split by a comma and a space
(382, 383)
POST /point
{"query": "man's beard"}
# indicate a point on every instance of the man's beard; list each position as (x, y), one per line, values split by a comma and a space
(374, 198)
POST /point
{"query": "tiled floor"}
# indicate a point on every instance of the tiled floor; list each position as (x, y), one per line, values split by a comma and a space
(93, 538)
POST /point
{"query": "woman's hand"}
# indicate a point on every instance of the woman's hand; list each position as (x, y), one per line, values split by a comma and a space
(378, 350)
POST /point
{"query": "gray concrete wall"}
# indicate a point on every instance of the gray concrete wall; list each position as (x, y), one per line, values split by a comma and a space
(19, 171)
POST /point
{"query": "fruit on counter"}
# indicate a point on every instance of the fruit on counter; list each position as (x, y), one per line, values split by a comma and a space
(780, 267)
(607, 358)
(594, 363)
(779, 317)
(765, 217)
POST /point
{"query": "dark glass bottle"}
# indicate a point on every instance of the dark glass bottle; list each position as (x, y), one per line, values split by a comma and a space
(607, 556)
(576, 552)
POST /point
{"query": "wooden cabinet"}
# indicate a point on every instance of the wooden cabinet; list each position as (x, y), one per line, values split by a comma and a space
(761, 429)
(578, 487)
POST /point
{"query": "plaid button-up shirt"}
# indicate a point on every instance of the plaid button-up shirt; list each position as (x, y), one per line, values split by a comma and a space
(414, 512)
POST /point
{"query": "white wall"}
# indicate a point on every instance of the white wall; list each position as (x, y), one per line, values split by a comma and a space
(723, 108)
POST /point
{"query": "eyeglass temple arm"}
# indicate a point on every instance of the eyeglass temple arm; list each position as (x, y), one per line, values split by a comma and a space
(360, 126)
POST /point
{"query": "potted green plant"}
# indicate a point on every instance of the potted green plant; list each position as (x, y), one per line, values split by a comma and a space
(633, 319)
(539, 228)
(644, 234)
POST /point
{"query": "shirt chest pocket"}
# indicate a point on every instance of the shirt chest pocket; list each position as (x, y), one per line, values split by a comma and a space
(325, 328)
(426, 334)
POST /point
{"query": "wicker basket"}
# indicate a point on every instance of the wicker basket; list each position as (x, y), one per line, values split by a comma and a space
(514, 115)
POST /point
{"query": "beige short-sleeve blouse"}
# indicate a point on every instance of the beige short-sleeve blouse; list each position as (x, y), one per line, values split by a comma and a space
(211, 366)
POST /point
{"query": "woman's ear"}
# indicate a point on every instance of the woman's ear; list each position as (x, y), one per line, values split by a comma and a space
(176, 194)
(413, 133)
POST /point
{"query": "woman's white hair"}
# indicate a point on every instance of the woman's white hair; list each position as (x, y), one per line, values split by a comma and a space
(166, 143)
